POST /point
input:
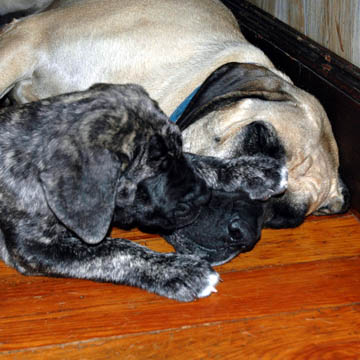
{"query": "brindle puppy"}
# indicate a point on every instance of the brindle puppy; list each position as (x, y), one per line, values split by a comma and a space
(72, 164)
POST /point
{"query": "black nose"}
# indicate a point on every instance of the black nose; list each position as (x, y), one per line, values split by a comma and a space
(235, 231)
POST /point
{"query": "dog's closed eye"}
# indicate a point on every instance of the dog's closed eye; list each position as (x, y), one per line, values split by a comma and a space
(182, 210)
(157, 149)
(159, 154)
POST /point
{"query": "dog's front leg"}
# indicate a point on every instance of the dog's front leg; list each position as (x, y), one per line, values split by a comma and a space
(258, 167)
(19, 56)
(120, 261)
(260, 176)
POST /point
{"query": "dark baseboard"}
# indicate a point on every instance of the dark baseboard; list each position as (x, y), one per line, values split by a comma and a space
(333, 80)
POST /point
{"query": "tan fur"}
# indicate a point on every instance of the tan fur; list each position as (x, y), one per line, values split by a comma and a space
(9, 6)
(169, 47)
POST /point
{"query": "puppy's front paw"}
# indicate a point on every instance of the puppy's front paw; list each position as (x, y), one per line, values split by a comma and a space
(187, 278)
(266, 177)
(211, 281)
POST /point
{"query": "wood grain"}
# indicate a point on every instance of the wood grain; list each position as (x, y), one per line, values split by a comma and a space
(292, 275)
(332, 23)
(305, 335)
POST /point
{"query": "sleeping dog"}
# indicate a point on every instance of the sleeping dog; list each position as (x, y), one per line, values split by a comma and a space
(188, 55)
(72, 164)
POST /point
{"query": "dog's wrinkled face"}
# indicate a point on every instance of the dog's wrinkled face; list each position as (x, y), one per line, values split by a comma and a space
(236, 95)
(229, 225)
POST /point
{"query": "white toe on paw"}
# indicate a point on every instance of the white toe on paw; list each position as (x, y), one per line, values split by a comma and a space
(213, 279)
(284, 178)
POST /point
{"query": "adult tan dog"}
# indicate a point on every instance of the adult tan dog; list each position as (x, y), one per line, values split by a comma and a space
(171, 47)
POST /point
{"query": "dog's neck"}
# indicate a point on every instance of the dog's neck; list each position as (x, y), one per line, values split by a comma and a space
(174, 117)
(221, 88)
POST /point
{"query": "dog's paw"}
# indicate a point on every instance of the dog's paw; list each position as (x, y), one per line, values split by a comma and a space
(210, 284)
(187, 278)
(260, 176)
(269, 179)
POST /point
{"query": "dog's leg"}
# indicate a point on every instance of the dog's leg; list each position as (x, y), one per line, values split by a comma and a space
(260, 176)
(258, 167)
(17, 60)
(175, 276)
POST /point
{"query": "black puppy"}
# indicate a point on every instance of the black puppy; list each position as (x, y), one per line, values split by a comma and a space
(243, 218)
(257, 174)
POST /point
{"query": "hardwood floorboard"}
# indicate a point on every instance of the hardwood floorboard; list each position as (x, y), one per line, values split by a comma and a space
(310, 272)
(329, 333)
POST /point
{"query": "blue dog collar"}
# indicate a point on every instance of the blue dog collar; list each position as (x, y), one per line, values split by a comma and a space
(174, 117)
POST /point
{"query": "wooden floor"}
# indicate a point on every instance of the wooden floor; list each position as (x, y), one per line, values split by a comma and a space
(295, 296)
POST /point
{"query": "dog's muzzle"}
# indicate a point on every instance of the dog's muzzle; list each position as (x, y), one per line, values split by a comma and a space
(229, 225)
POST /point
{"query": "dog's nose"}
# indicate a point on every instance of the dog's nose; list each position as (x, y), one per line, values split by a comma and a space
(235, 231)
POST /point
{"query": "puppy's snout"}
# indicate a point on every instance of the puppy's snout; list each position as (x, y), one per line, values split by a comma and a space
(240, 235)
(235, 231)
(338, 203)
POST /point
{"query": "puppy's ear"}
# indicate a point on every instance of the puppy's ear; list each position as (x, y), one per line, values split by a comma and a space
(231, 83)
(80, 188)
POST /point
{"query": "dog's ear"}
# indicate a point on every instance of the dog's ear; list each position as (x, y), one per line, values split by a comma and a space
(80, 188)
(231, 83)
